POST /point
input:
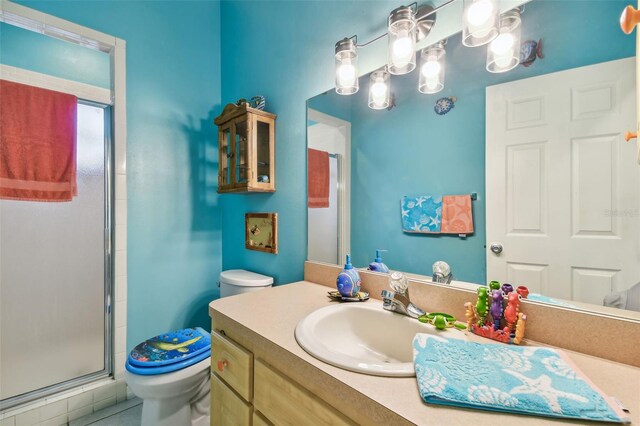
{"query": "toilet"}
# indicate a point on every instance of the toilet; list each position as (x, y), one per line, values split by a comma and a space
(171, 372)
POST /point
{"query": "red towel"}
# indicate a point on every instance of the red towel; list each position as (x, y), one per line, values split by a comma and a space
(318, 179)
(37, 143)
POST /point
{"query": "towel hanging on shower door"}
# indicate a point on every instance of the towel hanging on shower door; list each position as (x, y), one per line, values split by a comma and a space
(37, 143)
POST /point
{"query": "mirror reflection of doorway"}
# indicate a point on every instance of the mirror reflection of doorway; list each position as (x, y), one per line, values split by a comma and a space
(328, 228)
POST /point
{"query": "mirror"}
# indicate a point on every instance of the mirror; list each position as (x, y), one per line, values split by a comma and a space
(541, 147)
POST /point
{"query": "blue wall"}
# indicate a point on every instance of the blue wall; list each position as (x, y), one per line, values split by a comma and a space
(173, 93)
(175, 86)
(284, 51)
(412, 151)
(37, 52)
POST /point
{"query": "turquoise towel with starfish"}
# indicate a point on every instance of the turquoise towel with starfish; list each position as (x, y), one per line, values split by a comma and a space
(422, 214)
(506, 378)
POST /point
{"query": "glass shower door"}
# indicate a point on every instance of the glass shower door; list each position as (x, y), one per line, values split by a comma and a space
(55, 278)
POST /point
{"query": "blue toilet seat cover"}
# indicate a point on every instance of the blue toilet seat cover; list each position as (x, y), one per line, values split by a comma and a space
(148, 371)
(171, 348)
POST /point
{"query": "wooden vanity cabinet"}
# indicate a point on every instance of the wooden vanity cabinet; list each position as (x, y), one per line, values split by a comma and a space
(245, 391)
(246, 149)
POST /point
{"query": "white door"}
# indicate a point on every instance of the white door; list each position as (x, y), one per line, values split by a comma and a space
(563, 186)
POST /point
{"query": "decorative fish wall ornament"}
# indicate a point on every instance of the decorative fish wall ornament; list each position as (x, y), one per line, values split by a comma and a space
(530, 51)
(444, 105)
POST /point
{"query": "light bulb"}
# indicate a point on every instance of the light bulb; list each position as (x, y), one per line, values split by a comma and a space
(431, 69)
(479, 13)
(379, 93)
(503, 44)
(402, 49)
(346, 74)
(503, 53)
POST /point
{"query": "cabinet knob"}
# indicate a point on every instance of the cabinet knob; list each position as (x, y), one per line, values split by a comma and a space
(629, 18)
(222, 364)
(630, 135)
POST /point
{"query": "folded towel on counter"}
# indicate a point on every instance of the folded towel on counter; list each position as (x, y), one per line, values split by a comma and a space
(536, 297)
(318, 179)
(422, 214)
(457, 217)
(496, 377)
(37, 143)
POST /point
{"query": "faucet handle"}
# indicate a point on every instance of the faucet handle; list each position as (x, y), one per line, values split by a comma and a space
(398, 282)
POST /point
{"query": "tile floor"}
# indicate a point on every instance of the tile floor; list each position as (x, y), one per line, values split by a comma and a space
(127, 413)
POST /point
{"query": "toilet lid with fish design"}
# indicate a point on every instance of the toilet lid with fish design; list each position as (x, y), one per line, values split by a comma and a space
(171, 348)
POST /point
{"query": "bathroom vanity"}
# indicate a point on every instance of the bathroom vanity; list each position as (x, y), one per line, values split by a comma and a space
(260, 375)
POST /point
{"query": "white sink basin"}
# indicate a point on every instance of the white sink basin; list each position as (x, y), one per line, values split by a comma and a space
(365, 338)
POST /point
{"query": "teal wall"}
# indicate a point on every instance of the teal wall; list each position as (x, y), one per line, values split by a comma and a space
(179, 75)
(284, 51)
(37, 52)
(173, 93)
(412, 151)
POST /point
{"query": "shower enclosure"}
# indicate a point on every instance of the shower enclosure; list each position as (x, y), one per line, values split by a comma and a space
(55, 277)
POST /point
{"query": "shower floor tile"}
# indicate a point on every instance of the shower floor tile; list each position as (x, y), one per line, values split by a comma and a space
(127, 413)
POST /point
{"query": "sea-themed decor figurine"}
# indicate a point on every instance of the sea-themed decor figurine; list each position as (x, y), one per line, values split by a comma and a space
(258, 102)
(481, 305)
(444, 105)
(512, 310)
(496, 308)
(348, 282)
(530, 51)
(506, 324)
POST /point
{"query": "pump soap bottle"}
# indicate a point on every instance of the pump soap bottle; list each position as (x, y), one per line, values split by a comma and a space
(377, 265)
(348, 282)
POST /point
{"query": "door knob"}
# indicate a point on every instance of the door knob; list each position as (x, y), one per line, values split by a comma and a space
(496, 248)
(630, 135)
(629, 19)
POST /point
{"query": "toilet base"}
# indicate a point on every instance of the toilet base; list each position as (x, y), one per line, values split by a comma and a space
(177, 411)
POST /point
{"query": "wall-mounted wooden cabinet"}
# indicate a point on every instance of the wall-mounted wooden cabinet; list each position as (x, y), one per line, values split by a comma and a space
(246, 146)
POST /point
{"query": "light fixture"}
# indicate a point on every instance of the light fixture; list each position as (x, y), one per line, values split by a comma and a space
(432, 66)
(347, 66)
(402, 40)
(480, 22)
(503, 53)
(379, 90)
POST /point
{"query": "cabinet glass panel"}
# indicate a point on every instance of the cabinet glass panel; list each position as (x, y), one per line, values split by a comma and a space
(263, 152)
(242, 151)
(225, 148)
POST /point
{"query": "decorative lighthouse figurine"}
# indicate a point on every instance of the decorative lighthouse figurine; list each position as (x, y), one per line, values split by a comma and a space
(348, 282)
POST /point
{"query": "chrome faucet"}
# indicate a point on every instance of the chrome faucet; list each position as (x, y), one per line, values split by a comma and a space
(398, 299)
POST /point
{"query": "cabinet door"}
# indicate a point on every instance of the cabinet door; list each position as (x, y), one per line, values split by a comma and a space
(242, 173)
(225, 154)
(227, 408)
(284, 402)
(233, 363)
(263, 133)
(259, 420)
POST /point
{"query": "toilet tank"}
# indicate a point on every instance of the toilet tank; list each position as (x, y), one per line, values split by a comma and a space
(238, 281)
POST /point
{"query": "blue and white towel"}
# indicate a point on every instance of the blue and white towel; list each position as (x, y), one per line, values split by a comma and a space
(525, 380)
(422, 214)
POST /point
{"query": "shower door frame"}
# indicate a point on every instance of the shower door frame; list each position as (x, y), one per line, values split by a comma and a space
(113, 101)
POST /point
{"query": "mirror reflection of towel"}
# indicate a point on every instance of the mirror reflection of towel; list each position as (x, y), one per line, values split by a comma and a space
(422, 215)
(318, 179)
(629, 299)
(457, 216)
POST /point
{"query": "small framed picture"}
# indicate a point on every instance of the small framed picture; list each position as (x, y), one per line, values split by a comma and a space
(261, 232)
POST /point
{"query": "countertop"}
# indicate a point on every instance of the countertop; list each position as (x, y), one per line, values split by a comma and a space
(264, 322)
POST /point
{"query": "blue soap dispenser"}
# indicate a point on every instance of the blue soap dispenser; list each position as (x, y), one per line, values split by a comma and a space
(377, 265)
(348, 282)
